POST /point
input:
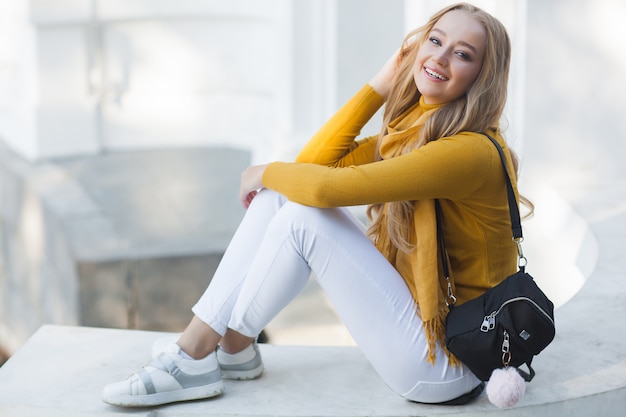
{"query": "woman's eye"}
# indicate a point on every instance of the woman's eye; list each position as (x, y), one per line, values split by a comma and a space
(435, 41)
(463, 55)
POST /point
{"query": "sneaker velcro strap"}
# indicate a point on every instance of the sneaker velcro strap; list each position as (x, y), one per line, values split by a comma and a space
(167, 364)
(147, 381)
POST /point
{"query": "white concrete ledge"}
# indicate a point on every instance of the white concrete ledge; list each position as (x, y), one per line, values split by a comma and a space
(61, 371)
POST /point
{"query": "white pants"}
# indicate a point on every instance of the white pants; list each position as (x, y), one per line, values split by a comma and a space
(277, 247)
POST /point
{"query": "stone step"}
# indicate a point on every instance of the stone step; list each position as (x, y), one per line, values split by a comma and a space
(61, 370)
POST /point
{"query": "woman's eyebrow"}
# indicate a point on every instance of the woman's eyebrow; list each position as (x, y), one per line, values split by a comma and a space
(466, 44)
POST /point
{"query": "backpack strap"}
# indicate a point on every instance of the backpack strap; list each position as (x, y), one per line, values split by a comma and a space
(516, 230)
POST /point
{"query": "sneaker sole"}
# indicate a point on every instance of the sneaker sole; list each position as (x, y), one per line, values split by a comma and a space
(186, 394)
(243, 375)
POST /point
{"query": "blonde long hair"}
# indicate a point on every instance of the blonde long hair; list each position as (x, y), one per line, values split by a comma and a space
(478, 110)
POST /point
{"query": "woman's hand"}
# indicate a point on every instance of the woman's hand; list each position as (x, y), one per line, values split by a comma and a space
(251, 183)
(382, 81)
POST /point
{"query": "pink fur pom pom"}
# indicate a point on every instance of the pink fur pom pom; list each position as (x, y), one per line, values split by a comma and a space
(505, 387)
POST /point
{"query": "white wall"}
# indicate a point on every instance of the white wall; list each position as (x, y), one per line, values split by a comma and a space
(111, 75)
(18, 80)
(576, 92)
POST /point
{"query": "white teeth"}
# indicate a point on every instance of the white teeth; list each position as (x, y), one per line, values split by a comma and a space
(434, 74)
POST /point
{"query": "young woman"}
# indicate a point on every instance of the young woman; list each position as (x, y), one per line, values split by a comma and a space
(447, 83)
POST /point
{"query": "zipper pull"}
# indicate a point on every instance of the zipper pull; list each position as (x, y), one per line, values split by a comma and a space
(505, 342)
(506, 353)
(489, 323)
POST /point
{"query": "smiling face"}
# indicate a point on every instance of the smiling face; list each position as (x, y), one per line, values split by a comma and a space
(450, 59)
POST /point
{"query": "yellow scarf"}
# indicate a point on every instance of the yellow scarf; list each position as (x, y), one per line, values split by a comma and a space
(421, 267)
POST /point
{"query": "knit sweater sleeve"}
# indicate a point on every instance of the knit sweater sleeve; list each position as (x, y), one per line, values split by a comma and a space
(334, 144)
(450, 168)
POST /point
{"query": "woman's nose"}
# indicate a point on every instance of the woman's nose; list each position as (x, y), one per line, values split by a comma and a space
(441, 57)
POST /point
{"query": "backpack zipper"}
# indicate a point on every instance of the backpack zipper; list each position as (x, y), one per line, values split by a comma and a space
(489, 322)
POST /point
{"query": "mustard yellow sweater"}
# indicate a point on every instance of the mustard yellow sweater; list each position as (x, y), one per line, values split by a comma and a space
(463, 171)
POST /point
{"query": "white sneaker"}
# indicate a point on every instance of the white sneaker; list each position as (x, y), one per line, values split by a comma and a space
(168, 378)
(244, 365)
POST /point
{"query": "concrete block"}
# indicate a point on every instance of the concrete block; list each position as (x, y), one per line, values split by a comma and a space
(105, 297)
(126, 240)
(166, 288)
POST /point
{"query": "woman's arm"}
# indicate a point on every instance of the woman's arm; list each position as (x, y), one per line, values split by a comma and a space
(336, 138)
(453, 168)
(334, 144)
(381, 82)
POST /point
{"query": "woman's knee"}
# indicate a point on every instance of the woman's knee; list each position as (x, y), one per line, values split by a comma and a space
(267, 197)
(294, 216)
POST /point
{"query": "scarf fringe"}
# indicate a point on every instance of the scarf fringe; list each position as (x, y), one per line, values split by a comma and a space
(436, 333)
(428, 286)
